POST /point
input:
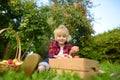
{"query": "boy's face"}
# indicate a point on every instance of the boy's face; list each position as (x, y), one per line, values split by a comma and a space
(61, 39)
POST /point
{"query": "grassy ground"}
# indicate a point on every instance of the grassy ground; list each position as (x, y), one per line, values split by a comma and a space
(112, 71)
(51, 75)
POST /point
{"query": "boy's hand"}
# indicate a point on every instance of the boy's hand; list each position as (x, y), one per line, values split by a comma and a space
(74, 49)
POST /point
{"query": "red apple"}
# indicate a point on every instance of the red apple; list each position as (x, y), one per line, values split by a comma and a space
(66, 55)
(10, 61)
(77, 5)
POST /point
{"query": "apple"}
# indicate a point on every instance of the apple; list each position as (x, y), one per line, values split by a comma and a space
(76, 57)
(66, 56)
(15, 60)
(77, 5)
(10, 61)
(18, 63)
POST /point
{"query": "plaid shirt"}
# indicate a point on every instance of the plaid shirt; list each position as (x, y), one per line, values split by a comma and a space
(54, 48)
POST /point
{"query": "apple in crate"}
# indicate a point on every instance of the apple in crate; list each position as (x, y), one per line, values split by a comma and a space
(67, 56)
(76, 57)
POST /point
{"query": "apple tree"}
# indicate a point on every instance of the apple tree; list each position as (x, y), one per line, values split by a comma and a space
(75, 14)
(29, 21)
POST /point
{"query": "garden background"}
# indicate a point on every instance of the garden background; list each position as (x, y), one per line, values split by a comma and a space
(35, 24)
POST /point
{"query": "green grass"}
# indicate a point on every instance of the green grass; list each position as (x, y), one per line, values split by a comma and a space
(51, 75)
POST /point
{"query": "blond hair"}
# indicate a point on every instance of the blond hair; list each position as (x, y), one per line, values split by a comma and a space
(62, 30)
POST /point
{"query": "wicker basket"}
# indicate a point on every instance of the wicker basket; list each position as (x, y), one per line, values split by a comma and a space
(4, 65)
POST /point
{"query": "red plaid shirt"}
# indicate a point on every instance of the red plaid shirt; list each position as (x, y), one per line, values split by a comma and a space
(54, 48)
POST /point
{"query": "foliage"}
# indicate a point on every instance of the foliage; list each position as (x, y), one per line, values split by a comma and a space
(35, 24)
(109, 68)
(73, 14)
(27, 18)
(49, 75)
(9, 11)
(9, 14)
(104, 46)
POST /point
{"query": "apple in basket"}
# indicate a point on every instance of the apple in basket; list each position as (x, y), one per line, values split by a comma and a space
(10, 61)
(15, 60)
(18, 63)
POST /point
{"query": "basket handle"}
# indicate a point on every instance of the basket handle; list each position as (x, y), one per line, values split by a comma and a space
(18, 52)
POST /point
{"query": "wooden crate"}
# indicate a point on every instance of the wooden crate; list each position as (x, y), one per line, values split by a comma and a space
(82, 66)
